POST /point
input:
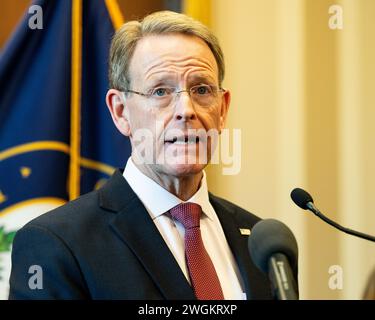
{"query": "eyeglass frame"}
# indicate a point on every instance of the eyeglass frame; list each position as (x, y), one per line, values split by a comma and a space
(175, 92)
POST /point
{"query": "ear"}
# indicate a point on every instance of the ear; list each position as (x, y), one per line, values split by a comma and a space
(119, 113)
(225, 102)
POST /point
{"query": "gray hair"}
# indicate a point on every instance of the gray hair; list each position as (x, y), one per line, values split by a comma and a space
(163, 22)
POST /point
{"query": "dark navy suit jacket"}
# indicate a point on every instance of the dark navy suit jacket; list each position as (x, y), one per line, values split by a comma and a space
(104, 245)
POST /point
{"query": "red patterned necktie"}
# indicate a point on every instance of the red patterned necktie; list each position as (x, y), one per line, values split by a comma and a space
(202, 272)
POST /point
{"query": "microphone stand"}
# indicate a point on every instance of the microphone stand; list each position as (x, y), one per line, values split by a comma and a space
(316, 211)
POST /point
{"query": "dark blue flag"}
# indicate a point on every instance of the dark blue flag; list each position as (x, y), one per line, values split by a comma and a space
(57, 138)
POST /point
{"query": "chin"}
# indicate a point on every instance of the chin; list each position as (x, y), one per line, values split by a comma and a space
(181, 170)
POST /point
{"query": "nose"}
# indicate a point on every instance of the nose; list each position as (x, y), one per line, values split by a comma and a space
(184, 107)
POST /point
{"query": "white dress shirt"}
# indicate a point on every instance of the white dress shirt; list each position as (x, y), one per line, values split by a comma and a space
(158, 201)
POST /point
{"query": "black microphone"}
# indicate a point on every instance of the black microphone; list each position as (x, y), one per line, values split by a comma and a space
(274, 250)
(302, 199)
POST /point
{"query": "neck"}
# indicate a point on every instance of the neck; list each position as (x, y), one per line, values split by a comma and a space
(183, 187)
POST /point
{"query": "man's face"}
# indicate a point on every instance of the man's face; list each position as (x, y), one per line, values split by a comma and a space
(177, 144)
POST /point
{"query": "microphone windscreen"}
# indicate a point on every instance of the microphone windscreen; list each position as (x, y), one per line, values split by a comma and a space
(301, 198)
(268, 237)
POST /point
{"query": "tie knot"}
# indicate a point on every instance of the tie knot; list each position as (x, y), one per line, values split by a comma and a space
(188, 214)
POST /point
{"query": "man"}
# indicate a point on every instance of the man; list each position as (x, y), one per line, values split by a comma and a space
(153, 231)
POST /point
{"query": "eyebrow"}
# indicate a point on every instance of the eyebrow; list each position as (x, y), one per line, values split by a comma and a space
(201, 77)
(166, 78)
(162, 79)
(161, 75)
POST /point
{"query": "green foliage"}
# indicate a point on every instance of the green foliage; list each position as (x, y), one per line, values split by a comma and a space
(6, 239)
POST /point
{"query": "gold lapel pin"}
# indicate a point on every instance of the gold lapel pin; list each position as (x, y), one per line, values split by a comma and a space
(245, 232)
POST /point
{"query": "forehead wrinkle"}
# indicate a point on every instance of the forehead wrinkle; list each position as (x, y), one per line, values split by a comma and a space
(178, 64)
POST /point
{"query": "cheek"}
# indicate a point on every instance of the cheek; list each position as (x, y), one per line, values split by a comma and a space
(140, 118)
(151, 120)
(210, 119)
(162, 120)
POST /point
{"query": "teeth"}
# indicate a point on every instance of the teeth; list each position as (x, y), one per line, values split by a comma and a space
(185, 142)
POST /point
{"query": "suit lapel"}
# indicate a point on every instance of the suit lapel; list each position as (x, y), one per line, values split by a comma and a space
(238, 245)
(134, 226)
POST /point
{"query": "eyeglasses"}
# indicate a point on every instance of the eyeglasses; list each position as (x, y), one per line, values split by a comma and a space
(203, 94)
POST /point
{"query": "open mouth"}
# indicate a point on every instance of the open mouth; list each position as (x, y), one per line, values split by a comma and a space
(183, 140)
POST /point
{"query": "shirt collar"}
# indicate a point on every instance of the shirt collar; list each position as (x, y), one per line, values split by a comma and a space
(158, 200)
